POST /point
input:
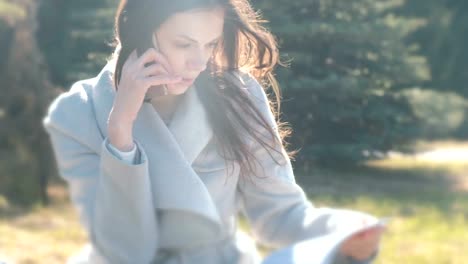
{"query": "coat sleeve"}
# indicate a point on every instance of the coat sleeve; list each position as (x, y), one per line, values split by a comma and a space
(277, 208)
(113, 197)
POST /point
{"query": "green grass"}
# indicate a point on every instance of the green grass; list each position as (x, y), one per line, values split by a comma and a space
(427, 200)
(418, 232)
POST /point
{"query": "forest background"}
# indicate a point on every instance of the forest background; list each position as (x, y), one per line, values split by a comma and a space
(375, 91)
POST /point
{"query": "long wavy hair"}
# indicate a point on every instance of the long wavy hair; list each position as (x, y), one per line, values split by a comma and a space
(246, 47)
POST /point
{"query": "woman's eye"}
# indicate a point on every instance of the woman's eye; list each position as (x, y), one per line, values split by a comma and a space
(187, 45)
(213, 45)
(182, 46)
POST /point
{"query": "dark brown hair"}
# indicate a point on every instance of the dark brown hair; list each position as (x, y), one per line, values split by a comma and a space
(246, 47)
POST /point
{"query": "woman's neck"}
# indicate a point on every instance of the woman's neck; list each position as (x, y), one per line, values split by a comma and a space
(166, 106)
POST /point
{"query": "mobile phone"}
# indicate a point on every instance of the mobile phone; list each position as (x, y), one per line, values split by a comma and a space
(145, 45)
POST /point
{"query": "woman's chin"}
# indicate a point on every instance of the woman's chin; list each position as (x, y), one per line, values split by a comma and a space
(177, 89)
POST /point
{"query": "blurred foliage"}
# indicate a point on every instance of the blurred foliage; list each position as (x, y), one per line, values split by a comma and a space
(24, 154)
(442, 39)
(348, 64)
(75, 37)
(440, 114)
(10, 11)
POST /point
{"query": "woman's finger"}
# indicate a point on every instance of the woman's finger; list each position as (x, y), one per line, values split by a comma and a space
(153, 70)
(363, 244)
(151, 55)
(160, 79)
(377, 230)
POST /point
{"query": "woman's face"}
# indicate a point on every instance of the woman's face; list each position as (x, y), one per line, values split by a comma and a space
(188, 39)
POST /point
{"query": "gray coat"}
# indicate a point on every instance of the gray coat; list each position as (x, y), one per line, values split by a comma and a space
(179, 202)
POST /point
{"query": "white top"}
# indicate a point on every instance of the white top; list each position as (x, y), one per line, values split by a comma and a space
(127, 156)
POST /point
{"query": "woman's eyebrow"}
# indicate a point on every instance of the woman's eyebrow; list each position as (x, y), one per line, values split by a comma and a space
(193, 40)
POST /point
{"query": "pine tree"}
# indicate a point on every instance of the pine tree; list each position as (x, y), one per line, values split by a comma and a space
(25, 156)
(348, 63)
(442, 39)
(76, 37)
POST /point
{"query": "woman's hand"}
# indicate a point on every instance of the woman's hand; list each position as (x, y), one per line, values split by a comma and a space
(136, 78)
(364, 244)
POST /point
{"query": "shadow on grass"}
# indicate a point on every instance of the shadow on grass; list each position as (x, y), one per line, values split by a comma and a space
(399, 191)
(35, 216)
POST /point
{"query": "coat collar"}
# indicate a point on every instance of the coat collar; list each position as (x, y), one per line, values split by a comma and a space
(170, 150)
(189, 126)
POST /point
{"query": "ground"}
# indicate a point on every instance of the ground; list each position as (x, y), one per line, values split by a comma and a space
(425, 194)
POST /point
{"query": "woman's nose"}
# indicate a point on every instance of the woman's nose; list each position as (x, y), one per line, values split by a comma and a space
(197, 66)
(198, 62)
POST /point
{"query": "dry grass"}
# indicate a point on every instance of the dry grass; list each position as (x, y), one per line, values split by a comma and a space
(39, 235)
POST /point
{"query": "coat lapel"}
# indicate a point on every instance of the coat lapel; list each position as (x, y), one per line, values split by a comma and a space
(190, 126)
(170, 150)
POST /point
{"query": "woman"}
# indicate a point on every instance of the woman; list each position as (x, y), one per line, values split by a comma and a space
(175, 136)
